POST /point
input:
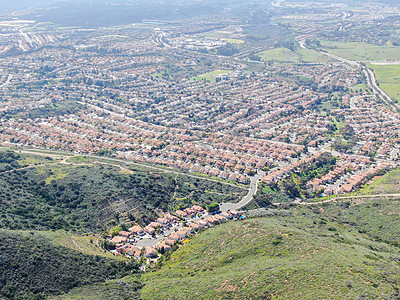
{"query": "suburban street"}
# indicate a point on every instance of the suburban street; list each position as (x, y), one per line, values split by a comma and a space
(147, 240)
(246, 199)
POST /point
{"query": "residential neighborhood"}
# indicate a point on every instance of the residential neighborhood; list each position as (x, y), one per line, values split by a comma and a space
(167, 232)
(216, 110)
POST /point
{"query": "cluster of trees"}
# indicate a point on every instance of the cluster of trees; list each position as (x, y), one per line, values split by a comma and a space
(39, 268)
(94, 198)
(288, 44)
(295, 186)
(214, 207)
(8, 160)
(314, 44)
(254, 57)
(346, 139)
(228, 50)
(263, 199)
(52, 109)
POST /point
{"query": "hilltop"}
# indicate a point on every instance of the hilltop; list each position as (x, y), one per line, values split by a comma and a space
(301, 253)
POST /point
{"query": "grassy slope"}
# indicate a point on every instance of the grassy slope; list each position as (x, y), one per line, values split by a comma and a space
(10, 160)
(56, 108)
(87, 244)
(127, 288)
(210, 76)
(361, 51)
(298, 55)
(388, 77)
(31, 265)
(387, 184)
(303, 255)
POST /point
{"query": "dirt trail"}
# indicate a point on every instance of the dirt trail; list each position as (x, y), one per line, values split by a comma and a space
(158, 169)
(360, 197)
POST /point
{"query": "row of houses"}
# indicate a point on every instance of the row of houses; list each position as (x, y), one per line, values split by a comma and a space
(125, 243)
(359, 178)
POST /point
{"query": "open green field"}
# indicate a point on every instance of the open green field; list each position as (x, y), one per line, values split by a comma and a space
(361, 51)
(233, 41)
(229, 37)
(298, 55)
(388, 77)
(360, 86)
(211, 76)
(309, 254)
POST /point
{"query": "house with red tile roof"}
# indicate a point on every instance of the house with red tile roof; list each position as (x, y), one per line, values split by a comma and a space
(119, 239)
(195, 226)
(126, 234)
(134, 252)
(162, 247)
(170, 242)
(181, 213)
(175, 237)
(171, 218)
(163, 221)
(150, 230)
(150, 252)
(182, 233)
(137, 229)
(187, 229)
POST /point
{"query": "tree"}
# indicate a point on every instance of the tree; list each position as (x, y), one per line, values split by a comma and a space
(227, 50)
(290, 187)
(263, 200)
(214, 207)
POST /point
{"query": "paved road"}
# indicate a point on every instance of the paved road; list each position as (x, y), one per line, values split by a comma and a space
(246, 199)
(147, 241)
(371, 82)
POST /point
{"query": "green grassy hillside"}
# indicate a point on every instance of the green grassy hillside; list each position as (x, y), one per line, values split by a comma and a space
(297, 55)
(308, 254)
(32, 267)
(127, 288)
(387, 184)
(378, 218)
(10, 160)
(331, 251)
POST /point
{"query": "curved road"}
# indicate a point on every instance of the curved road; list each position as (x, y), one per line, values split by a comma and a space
(246, 199)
